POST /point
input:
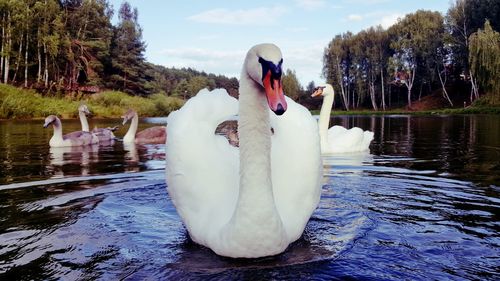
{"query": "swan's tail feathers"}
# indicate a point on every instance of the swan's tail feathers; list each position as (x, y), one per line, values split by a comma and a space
(367, 139)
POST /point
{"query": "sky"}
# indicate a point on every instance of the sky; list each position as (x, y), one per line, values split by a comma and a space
(214, 36)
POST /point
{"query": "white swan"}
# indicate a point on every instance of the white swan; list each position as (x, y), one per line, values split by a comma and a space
(252, 201)
(105, 135)
(338, 139)
(156, 134)
(78, 138)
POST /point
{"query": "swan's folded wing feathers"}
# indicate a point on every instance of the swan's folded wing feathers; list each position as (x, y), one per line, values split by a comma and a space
(296, 167)
(202, 167)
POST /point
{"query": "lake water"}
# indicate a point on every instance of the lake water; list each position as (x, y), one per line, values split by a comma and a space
(424, 205)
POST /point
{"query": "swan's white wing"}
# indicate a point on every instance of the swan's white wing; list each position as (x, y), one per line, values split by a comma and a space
(202, 168)
(355, 139)
(296, 167)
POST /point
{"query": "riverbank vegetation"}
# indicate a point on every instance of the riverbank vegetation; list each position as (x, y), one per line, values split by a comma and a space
(68, 46)
(64, 52)
(22, 103)
(423, 52)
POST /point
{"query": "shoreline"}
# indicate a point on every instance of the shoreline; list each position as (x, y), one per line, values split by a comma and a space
(448, 111)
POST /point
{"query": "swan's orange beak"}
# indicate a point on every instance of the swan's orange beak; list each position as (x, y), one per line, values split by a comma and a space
(274, 93)
(317, 92)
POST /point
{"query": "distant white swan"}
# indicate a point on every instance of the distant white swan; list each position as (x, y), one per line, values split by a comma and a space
(105, 135)
(252, 201)
(338, 139)
(78, 138)
(156, 134)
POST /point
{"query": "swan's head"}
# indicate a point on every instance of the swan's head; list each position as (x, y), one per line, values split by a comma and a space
(263, 65)
(49, 120)
(128, 116)
(83, 108)
(323, 90)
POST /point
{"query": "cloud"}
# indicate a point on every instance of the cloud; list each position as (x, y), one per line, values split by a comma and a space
(365, 2)
(310, 4)
(255, 16)
(390, 19)
(305, 59)
(383, 18)
(354, 17)
(219, 62)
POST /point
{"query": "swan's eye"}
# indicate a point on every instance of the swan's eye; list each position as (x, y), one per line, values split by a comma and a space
(268, 66)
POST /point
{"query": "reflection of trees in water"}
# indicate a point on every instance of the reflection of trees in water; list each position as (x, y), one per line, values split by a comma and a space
(466, 146)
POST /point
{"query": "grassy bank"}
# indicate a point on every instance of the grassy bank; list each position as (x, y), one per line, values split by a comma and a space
(467, 110)
(481, 106)
(21, 103)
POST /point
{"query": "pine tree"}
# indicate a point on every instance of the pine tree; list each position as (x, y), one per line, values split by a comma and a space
(127, 53)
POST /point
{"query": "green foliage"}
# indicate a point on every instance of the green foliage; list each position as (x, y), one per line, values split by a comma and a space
(127, 54)
(291, 85)
(113, 104)
(19, 103)
(484, 60)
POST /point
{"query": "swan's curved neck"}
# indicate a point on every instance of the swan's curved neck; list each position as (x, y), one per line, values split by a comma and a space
(132, 130)
(58, 136)
(84, 122)
(255, 142)
(255, 209)
(324, 119)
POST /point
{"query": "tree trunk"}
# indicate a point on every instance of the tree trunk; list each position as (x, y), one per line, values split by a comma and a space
(46, 69)
(372, 95)
(372, 91)
(342, 89)
(420, 92)
(382, 86)
(409, 85)
(443, 84)
(19, 57)
(474, 91)
(7, 50)
(3, 43)
(409, 97)
(39, 55)
(26, 60)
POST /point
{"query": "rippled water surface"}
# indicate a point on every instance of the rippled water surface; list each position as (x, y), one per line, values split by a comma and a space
(424, 205)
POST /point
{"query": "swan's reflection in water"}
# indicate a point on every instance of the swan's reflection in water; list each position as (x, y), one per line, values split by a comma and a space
(352, 163)
(152, 156)
(74, 159)
(131, 157)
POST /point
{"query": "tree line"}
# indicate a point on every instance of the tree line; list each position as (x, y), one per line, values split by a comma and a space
(71, 45)
(421, 54)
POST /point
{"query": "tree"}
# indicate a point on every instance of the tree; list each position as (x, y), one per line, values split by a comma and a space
(413, 43)
(463, 18)
(337, 62)
(484, 54)
(127, 52)
(87, 41)
(48, 35)
(291, 85)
